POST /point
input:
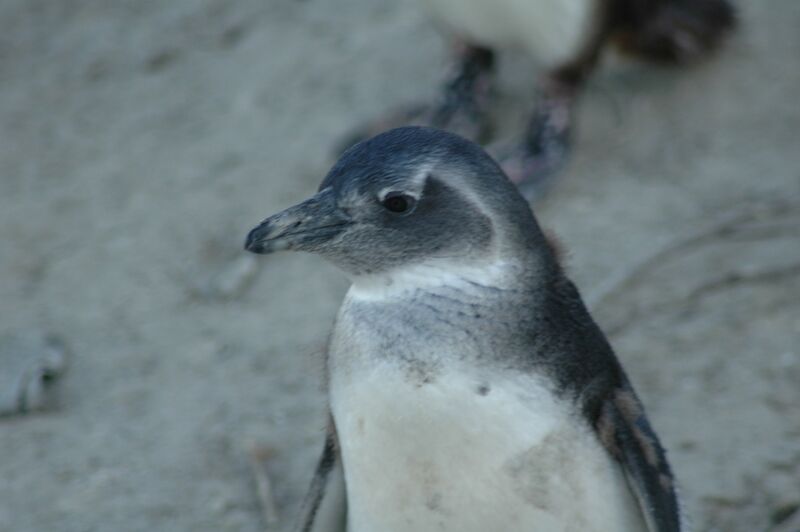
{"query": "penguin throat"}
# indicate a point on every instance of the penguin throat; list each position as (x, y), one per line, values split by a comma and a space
(404, 282)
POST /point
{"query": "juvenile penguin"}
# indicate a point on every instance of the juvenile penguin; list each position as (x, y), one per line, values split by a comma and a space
(567, 39)
(469, 388)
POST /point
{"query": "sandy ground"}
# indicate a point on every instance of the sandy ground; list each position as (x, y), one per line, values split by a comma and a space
(142, 139)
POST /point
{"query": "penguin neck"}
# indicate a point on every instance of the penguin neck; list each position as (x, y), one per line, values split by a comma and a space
(410, 281)
(477, 311)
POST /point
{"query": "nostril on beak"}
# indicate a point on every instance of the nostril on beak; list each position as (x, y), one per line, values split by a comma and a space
(298, 223)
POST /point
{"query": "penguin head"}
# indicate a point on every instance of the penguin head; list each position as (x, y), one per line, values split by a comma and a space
(407, 196)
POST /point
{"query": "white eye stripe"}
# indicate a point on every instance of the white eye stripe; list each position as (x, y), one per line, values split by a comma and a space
(417, 181)
(422, 176)
(388, 190)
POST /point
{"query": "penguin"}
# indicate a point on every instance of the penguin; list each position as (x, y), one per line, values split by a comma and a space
(567, 39)
(469, 389)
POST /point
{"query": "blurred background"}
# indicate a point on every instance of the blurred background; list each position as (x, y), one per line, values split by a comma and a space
(140, 140)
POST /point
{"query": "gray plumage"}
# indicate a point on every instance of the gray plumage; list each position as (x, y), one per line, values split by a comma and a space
(469, 387)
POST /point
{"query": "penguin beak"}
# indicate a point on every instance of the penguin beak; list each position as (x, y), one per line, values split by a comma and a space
(305, 226)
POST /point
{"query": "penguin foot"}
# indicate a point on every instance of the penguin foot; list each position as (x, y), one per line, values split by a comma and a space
(543, 152)
(461, 107)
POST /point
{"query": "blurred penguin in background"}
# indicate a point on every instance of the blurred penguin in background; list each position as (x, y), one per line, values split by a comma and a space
(567, 37)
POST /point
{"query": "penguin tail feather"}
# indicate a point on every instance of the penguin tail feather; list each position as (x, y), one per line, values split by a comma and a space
(674, 32)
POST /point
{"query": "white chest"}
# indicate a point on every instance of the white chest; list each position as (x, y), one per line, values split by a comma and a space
(551, 31)
(466, 453)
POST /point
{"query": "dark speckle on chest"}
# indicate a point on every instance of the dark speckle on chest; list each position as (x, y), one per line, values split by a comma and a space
(426, 332)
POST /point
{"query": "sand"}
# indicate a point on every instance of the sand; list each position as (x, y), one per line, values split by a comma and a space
(142, 139)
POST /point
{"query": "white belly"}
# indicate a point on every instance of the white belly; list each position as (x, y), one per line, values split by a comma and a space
(549, 30)
(440, 456)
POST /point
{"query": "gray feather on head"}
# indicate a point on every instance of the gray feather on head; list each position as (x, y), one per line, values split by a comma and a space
(409, 195)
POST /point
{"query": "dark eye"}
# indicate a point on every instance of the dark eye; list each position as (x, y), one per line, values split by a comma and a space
(398, 202)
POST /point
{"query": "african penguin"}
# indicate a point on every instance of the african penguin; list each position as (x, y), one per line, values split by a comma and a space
(567, 38)
(469, 388)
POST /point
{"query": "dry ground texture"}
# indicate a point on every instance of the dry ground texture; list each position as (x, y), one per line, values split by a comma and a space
(142, 139)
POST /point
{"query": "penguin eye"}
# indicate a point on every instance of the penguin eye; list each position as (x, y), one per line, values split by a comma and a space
(398, 202)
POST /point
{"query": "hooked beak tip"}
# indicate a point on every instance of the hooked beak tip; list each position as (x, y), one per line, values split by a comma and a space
(300, 227)
(260, 241)
(253, 243)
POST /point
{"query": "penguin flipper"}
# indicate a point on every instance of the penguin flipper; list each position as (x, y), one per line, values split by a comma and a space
(325, 505)
(626, 433)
